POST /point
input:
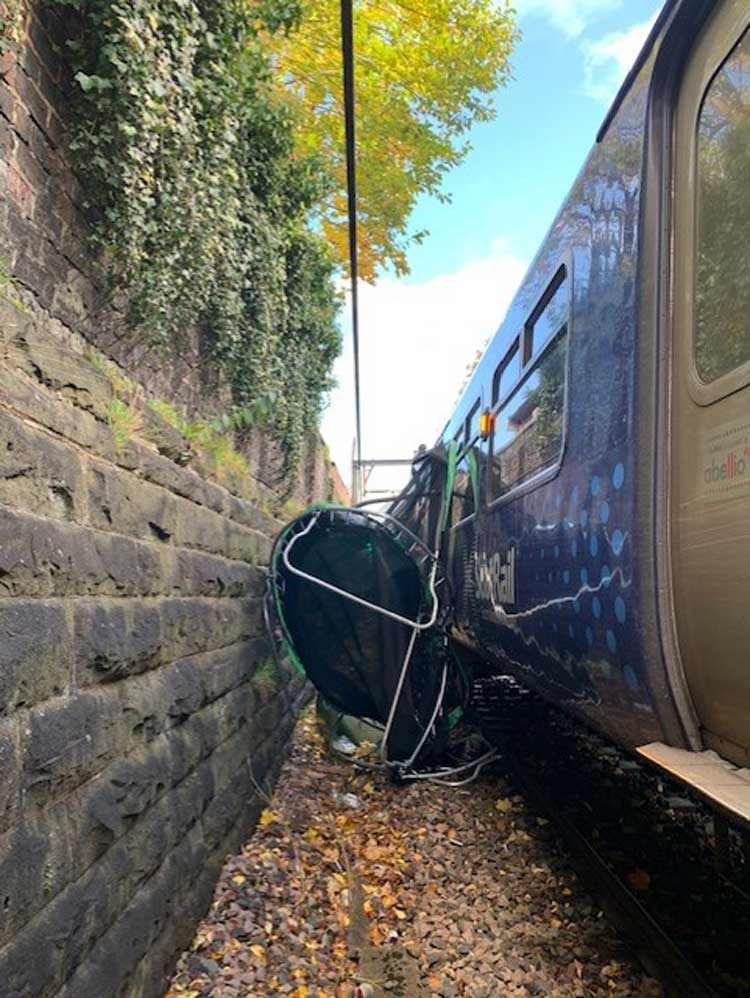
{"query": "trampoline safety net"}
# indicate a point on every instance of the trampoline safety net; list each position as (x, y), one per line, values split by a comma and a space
(356, 596)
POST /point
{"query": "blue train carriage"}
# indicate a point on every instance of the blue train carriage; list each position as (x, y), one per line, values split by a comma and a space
(599, 541)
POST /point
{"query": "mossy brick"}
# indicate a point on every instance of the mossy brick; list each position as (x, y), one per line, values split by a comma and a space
(120, 949)
(191, 625)
(133, 568)
(38, 473)
(181, 481)
(121, 502)
(248, 545)
(160, 902)
(10, 773)
(228, 817)
(34, 868)
(167, 440)
(13, 323)
(116, 638)
(36, 652)
(68, 740)
(202, 574)
(57, 366)
(226, 668)
(153, 703)
(199, 527)
(41, 557)
(217, 498)
(221, 719)
(28, 397)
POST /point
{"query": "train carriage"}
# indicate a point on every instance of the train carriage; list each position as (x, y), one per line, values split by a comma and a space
(599, 540)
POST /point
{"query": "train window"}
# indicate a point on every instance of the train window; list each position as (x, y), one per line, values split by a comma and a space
(472, 422)
(548, 317)
(722, 284)
(506, 374)
(528, 432)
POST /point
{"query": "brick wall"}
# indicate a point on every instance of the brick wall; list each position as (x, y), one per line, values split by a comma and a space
(44, 244)
(140, 708)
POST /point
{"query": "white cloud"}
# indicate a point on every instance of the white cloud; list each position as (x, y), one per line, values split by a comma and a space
(415, 343)
(607, 60)
(569, 16)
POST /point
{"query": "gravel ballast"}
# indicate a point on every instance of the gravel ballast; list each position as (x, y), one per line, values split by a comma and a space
(415, 890)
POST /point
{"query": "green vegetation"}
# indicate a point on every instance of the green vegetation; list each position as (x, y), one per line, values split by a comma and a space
(215, 437)
(209, 137)
(290, 509)
(11, 22)
(426, 72)
(206, 209)
(122, 386)
(124, 422)
(7, 290)
(266, 677)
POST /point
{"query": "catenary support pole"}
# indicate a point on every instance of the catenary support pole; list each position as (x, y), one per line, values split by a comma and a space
(347, 50)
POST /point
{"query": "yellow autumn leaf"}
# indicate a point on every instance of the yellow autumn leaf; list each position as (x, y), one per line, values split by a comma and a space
(258, 952)
(376, 936)
(610, 970)
(267, 817)
(639, 880)
(238, 879)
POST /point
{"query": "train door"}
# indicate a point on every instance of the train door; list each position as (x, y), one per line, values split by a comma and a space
(710, 446)
(462, 523)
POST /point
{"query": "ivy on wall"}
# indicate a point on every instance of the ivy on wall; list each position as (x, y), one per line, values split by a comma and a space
(11, 22)
(203, 209)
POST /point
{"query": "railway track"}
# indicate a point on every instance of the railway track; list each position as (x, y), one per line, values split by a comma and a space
(644, 848)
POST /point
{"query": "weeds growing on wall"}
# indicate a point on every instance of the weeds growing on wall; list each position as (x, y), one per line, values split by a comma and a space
(203, 208)
(8, 289)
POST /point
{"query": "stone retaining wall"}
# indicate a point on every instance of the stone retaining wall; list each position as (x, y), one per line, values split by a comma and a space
(140, 707)
(142, 716)
(45, 246)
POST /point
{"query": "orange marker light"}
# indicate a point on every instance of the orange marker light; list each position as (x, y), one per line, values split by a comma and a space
(486, 424)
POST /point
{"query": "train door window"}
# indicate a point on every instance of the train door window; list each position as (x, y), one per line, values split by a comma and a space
(528, 434)
(722, 236)
(506, 374)
(548, 316)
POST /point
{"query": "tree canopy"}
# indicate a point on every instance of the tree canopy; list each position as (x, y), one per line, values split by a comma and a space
(209, 136)
(426, 71)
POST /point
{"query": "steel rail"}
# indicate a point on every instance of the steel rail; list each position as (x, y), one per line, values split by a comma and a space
(657, 951)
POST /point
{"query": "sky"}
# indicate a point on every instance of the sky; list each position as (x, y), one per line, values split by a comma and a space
(419, 334)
